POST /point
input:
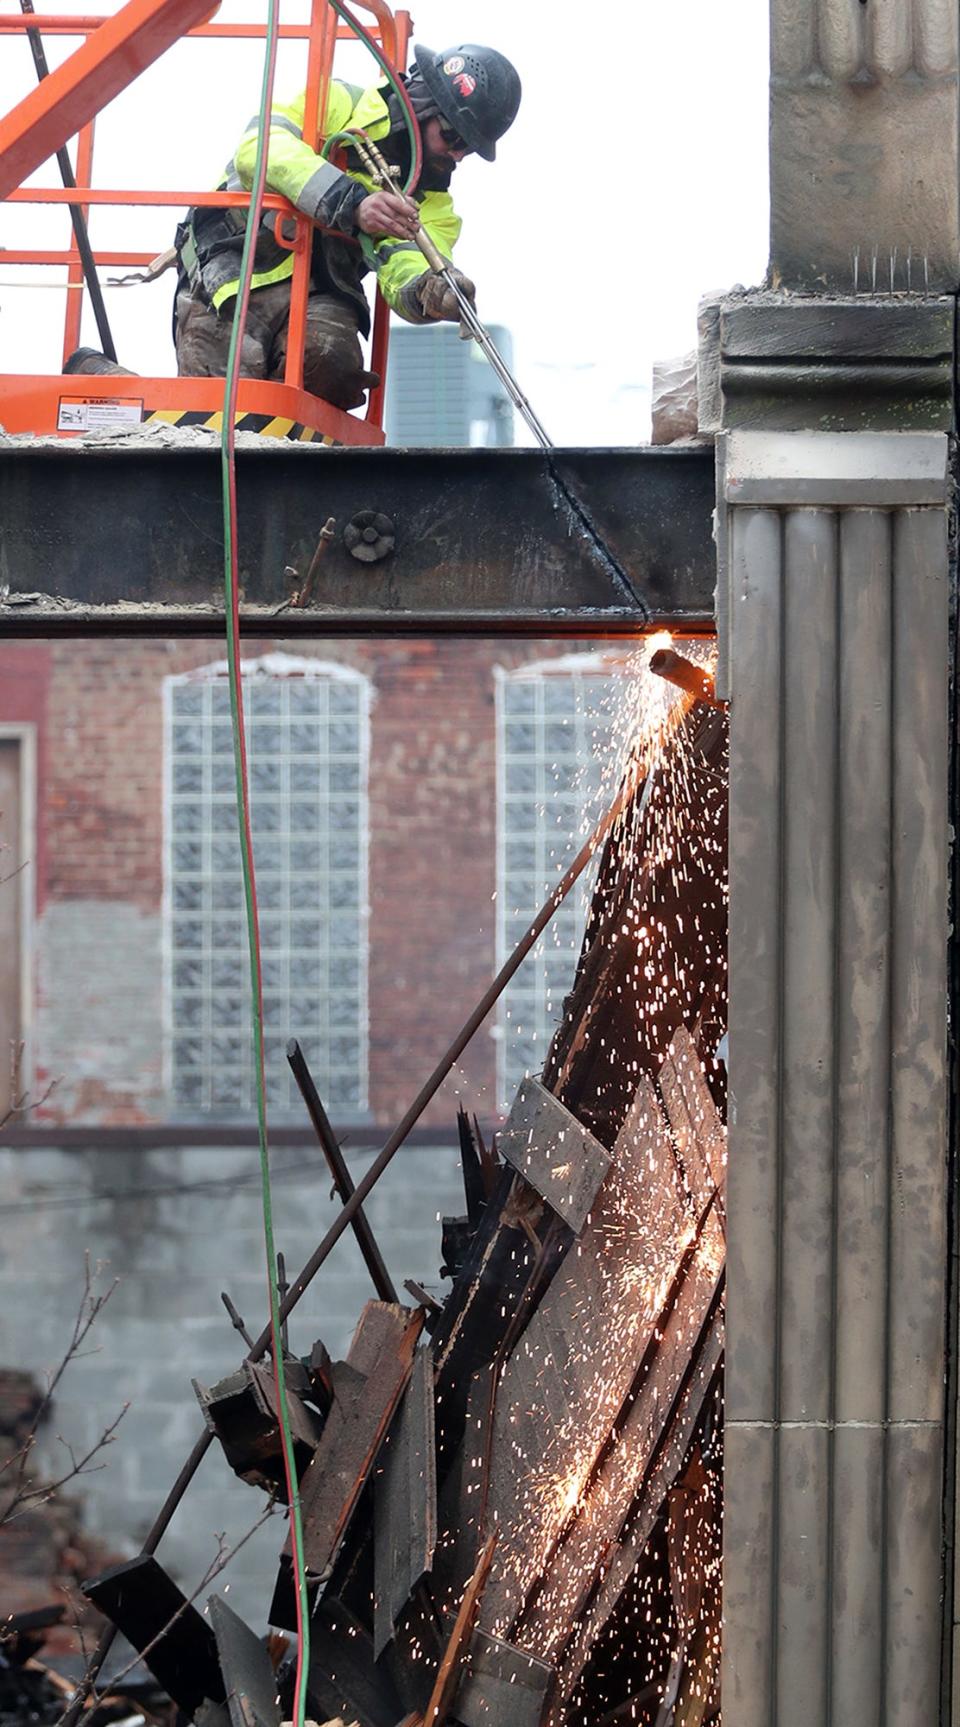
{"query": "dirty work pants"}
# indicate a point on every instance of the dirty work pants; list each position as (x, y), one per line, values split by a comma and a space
(332, 358)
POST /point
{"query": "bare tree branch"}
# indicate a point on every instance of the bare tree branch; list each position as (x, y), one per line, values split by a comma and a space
(22, 1103)
(14, 872)
(27, 1497)
(18, 1495)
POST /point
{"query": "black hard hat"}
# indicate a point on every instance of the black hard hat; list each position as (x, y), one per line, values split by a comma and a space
(476, 90)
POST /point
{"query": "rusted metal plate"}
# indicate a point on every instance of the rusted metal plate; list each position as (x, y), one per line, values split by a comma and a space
(356, 1426)
(624, 1555)
(559, 1159)
(405, 1506)
(480, 1307)
(472, 1163)
(699, 1133)
(344, 1680)
(503, 1686)
(462, 1498)
(565, 1385)
(248, 1676)
(604, 1506)
(144, 1603)
(415, 1650)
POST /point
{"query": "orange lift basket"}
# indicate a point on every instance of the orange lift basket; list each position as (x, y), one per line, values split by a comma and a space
(115, 50)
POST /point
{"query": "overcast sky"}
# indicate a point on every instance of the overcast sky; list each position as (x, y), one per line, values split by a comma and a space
(634, 180)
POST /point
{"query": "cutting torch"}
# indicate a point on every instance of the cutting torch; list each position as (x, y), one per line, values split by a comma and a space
(481, 335)
(384, 174)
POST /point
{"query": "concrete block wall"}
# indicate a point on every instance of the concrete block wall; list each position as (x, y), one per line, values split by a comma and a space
(176, 1227)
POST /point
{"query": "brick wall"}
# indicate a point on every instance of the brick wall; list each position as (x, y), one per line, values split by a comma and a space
(99, 711)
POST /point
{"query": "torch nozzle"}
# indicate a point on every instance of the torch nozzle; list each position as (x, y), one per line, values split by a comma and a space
(697, 682)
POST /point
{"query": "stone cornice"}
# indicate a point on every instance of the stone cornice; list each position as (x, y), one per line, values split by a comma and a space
(837, 365)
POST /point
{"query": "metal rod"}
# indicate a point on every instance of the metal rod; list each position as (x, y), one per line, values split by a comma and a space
(388, 174)
(282, 1287)
(327, 533)
(235, 1319)
(481, 335)
(483, 338)
(342, 1179)
(352, 1206)
(486, 343)
(87, 263)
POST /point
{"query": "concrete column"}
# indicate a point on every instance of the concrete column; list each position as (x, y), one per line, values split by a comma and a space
(864, 146)
(835, 564)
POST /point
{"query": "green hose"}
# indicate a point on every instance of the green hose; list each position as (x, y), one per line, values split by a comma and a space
(395, 85)
(232, 609)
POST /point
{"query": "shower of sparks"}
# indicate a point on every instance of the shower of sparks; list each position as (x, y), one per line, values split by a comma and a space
(575, 1411)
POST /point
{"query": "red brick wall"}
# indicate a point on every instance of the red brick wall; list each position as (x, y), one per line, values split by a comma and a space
(432, 819)
(432, 865)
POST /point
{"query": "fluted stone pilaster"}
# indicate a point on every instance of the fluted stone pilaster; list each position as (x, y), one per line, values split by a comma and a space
(837, 1260)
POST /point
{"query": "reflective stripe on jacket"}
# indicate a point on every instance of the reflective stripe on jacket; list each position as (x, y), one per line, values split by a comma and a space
(210, 241)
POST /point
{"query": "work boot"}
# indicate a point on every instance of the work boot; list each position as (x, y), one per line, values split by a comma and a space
(91, 361)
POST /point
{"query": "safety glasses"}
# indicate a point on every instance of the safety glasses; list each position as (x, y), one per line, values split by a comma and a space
(453, 139)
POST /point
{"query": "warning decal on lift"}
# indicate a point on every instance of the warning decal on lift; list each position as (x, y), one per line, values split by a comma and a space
(97, 413)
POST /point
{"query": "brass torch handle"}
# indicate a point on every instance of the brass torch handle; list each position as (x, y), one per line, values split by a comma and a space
(387, 174)
(432, 253)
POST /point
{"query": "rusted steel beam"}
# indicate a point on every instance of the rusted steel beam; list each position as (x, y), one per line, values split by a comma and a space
(125, 538)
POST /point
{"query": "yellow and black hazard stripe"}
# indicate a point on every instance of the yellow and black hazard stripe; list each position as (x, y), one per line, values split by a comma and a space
(268, 425)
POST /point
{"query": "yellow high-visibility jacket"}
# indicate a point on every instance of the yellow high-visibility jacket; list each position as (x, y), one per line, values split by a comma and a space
(210, 241)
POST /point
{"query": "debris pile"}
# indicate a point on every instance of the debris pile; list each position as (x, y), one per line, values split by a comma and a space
(511, 1498)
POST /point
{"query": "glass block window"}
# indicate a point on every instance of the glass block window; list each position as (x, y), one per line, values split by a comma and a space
(307, 729)
(555, 725)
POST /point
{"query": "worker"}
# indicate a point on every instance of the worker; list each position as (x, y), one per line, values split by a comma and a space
(464, 99)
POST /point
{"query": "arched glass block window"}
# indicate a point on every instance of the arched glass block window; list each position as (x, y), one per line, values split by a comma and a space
(308, 749)
(555, 724)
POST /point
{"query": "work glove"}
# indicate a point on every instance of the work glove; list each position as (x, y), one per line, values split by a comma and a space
(437, 301)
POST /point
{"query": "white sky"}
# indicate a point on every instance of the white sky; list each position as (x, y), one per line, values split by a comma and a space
(634, 180)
